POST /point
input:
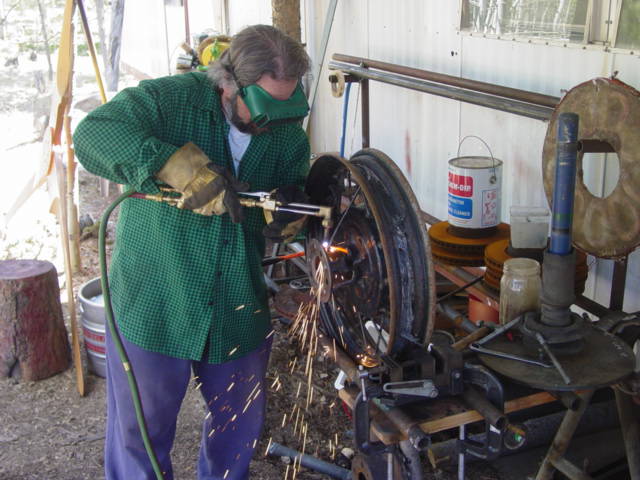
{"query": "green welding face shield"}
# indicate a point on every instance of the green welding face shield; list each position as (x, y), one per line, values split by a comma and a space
(267, 111)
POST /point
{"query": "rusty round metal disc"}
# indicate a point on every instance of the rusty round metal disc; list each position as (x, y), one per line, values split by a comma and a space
(440, 236)
(609, 111)
(604, 360)
(496, 254)
(457, 258)
(288, 300)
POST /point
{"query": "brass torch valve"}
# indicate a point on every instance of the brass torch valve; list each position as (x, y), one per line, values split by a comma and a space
(265, 201)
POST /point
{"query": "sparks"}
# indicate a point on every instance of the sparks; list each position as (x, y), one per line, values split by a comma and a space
(233, 350)
(266, 452)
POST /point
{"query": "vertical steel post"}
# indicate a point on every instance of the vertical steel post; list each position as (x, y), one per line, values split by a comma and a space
(364, 91)
(563, 192)
(616, 300)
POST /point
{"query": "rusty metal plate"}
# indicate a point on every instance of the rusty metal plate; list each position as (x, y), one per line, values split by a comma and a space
(609, 111)
(605, 360)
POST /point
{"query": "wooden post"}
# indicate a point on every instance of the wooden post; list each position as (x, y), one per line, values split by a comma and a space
(33, 339)
(286, 17)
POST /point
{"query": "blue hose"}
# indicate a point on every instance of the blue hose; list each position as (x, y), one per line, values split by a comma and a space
(345, 110)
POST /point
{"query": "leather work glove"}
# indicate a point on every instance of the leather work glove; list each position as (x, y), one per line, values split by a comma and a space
(207, 188)
(283, 226)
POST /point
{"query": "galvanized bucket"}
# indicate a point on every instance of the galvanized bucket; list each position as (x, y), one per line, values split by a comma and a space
(93, 325)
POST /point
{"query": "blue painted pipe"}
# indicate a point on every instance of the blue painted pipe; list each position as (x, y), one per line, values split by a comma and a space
(565, 182)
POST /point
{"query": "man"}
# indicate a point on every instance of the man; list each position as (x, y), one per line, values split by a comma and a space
(187, 285)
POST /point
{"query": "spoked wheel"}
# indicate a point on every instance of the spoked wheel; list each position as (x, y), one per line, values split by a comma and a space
(372, 270)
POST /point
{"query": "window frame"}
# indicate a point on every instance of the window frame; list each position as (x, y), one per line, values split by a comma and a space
(600, 32)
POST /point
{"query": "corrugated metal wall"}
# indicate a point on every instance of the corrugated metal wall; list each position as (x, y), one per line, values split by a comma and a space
(422, 132)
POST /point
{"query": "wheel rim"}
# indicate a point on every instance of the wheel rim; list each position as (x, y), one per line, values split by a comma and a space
(379, 296)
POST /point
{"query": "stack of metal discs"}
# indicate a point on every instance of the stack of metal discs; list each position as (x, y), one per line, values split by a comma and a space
(460, 251)
(498, 252)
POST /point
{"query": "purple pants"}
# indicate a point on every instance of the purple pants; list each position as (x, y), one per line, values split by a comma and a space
(235, 395)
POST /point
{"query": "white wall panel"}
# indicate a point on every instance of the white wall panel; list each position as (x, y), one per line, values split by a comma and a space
(422, 132)
(248, 12)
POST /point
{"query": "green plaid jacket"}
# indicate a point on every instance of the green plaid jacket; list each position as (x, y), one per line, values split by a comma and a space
(183, 284)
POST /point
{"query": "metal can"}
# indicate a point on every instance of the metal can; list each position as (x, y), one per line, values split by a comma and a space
(475, 191)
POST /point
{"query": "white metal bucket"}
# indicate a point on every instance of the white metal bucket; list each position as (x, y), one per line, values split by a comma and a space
(93, 326)
(475, 191)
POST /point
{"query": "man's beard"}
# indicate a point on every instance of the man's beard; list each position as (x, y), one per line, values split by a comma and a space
(231, 111)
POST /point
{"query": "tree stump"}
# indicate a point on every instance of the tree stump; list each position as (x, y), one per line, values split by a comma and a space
(33, 339)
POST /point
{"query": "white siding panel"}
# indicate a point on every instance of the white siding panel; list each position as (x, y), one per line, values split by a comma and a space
(248, 12)
(145, 48)
(206, 15)
(422, 132)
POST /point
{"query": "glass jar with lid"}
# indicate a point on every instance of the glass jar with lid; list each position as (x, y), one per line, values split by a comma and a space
(520, 287)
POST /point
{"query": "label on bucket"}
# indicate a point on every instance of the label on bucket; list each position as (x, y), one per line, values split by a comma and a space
(460, 207)
(461, 185)
(474, 192)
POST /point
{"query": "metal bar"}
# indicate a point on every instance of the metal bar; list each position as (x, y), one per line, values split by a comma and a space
(616, 300)
(339, 357)
(456, 93)
(313, 463)
(591, 306)
(563, 438)
(92, 50)
(187, 31)
(594, 146)
(469, 339)
(364, 94)
(630, 431)
(484, 407)
(466, 83)
(570, 470)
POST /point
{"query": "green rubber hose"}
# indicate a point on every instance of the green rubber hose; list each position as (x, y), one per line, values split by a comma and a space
(133, 386)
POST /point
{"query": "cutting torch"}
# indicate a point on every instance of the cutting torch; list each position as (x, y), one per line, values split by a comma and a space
(264, 200)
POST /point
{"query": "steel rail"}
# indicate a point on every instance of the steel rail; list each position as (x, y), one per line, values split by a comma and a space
(466, 83)
(505, 104)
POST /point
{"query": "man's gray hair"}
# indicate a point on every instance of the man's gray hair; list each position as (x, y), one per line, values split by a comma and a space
(257, 50)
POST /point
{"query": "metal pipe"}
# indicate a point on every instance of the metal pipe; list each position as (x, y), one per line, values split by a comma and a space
(563, 438)
(564, 187)
(458, 319)
(413, 455)
(366, 114)
(340, 358)
(456, 93)
(488, 410)
(570, 400)
(461, 438)
(492, 89)
(630, 431)
(334, 471)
